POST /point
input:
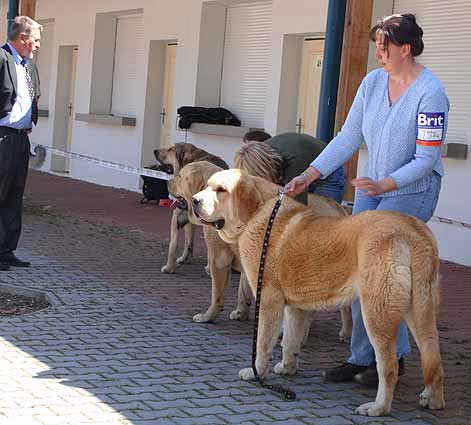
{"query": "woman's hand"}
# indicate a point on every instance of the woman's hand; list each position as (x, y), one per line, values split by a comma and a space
(373, 187)
(296, 186)
(299, 184)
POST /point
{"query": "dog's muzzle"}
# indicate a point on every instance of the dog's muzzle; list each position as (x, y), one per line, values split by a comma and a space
(218, 224)
(181, 203)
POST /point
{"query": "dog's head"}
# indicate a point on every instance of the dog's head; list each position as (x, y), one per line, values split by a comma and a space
(191, 179)
(177, 156)
(230, 199)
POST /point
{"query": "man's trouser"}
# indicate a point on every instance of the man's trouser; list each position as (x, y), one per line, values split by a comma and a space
(14, 159)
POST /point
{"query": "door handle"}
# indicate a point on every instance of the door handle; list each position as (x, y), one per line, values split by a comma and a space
(163, 113)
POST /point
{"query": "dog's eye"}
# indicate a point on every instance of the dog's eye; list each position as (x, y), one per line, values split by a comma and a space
(221, 190)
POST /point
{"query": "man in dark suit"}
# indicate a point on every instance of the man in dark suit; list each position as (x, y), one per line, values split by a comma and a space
(19, 91)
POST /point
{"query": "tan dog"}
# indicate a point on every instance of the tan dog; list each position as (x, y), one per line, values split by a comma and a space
(176, 157)
(222, 257)
(387, 260)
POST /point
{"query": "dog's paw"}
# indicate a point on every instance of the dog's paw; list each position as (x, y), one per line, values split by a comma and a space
(239, 315)
(280, 369)
(184, 259)
(371, 409)
(201, 318)
(427, 401)
(246, 374)
(345, 336)
(168, 269)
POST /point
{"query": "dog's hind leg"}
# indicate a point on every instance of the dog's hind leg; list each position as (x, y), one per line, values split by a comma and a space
(294, 330)
(422, 322)
(271, 314)
(172, 247)
(385, 295)
(244, 299)
(188, 247)
(382, 331)
(346, 331)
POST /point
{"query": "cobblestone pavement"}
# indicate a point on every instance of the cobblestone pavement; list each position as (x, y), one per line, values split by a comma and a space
(119, 347)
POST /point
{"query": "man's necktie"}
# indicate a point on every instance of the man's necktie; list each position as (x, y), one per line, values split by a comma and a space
(29, 83)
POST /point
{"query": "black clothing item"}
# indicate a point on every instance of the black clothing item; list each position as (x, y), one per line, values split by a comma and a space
(191, 114)
(14, 159)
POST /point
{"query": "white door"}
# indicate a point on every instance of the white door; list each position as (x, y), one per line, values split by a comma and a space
(71, 108)
(167, 108)
(310, 86)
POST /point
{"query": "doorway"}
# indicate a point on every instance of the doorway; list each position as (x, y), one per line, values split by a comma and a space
(309, 86)
(169, 83)
(64, 106)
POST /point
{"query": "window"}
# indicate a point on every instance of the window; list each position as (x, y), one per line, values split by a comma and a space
(246, 61)
(128, 55)
(118, 52)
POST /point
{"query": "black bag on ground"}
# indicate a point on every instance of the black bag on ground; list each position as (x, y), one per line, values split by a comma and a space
(191, 114)
(154, 189)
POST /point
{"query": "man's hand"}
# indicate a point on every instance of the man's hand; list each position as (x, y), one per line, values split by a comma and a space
(373, 187)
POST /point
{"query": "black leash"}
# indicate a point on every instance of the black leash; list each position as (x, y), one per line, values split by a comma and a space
(287, 394)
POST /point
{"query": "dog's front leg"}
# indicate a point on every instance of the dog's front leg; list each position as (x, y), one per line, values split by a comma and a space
(244, 299)
(220, 267)
(293, 334)
(271, 314)
(189, 241)
(172, 247)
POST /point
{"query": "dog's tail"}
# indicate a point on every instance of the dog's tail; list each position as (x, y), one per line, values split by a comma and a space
(36, 159)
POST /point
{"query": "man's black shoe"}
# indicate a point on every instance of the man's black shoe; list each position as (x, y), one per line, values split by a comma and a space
(4, 267)
(369, 378)
(11, 260)
(343, 373)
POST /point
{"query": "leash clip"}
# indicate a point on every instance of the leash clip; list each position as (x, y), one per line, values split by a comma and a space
(281, 193)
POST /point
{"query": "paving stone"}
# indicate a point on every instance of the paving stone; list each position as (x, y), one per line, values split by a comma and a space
(122, 348)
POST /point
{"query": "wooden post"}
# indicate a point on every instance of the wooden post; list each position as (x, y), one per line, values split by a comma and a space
(28, 8)
(352, 70)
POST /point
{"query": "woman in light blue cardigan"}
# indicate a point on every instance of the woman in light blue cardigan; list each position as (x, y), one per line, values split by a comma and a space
(400, 111)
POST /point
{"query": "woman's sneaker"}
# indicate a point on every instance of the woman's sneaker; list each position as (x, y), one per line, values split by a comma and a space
(343, 373)
(369, 378)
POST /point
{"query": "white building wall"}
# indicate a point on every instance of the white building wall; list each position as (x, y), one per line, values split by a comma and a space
(179, 20)
(74, 25)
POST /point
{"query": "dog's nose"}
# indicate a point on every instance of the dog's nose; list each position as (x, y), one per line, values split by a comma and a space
(195, 202)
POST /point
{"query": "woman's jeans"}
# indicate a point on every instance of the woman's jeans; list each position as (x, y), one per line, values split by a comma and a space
(331, 187)
(420, 205)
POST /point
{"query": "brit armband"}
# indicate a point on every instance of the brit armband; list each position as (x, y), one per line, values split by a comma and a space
(430, 128)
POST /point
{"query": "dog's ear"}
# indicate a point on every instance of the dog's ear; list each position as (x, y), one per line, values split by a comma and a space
(184, 153)
(179, 153)
(247, 198)
(196, 181)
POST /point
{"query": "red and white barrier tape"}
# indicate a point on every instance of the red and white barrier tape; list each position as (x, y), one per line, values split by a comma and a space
(102, 163)
(164, 176)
